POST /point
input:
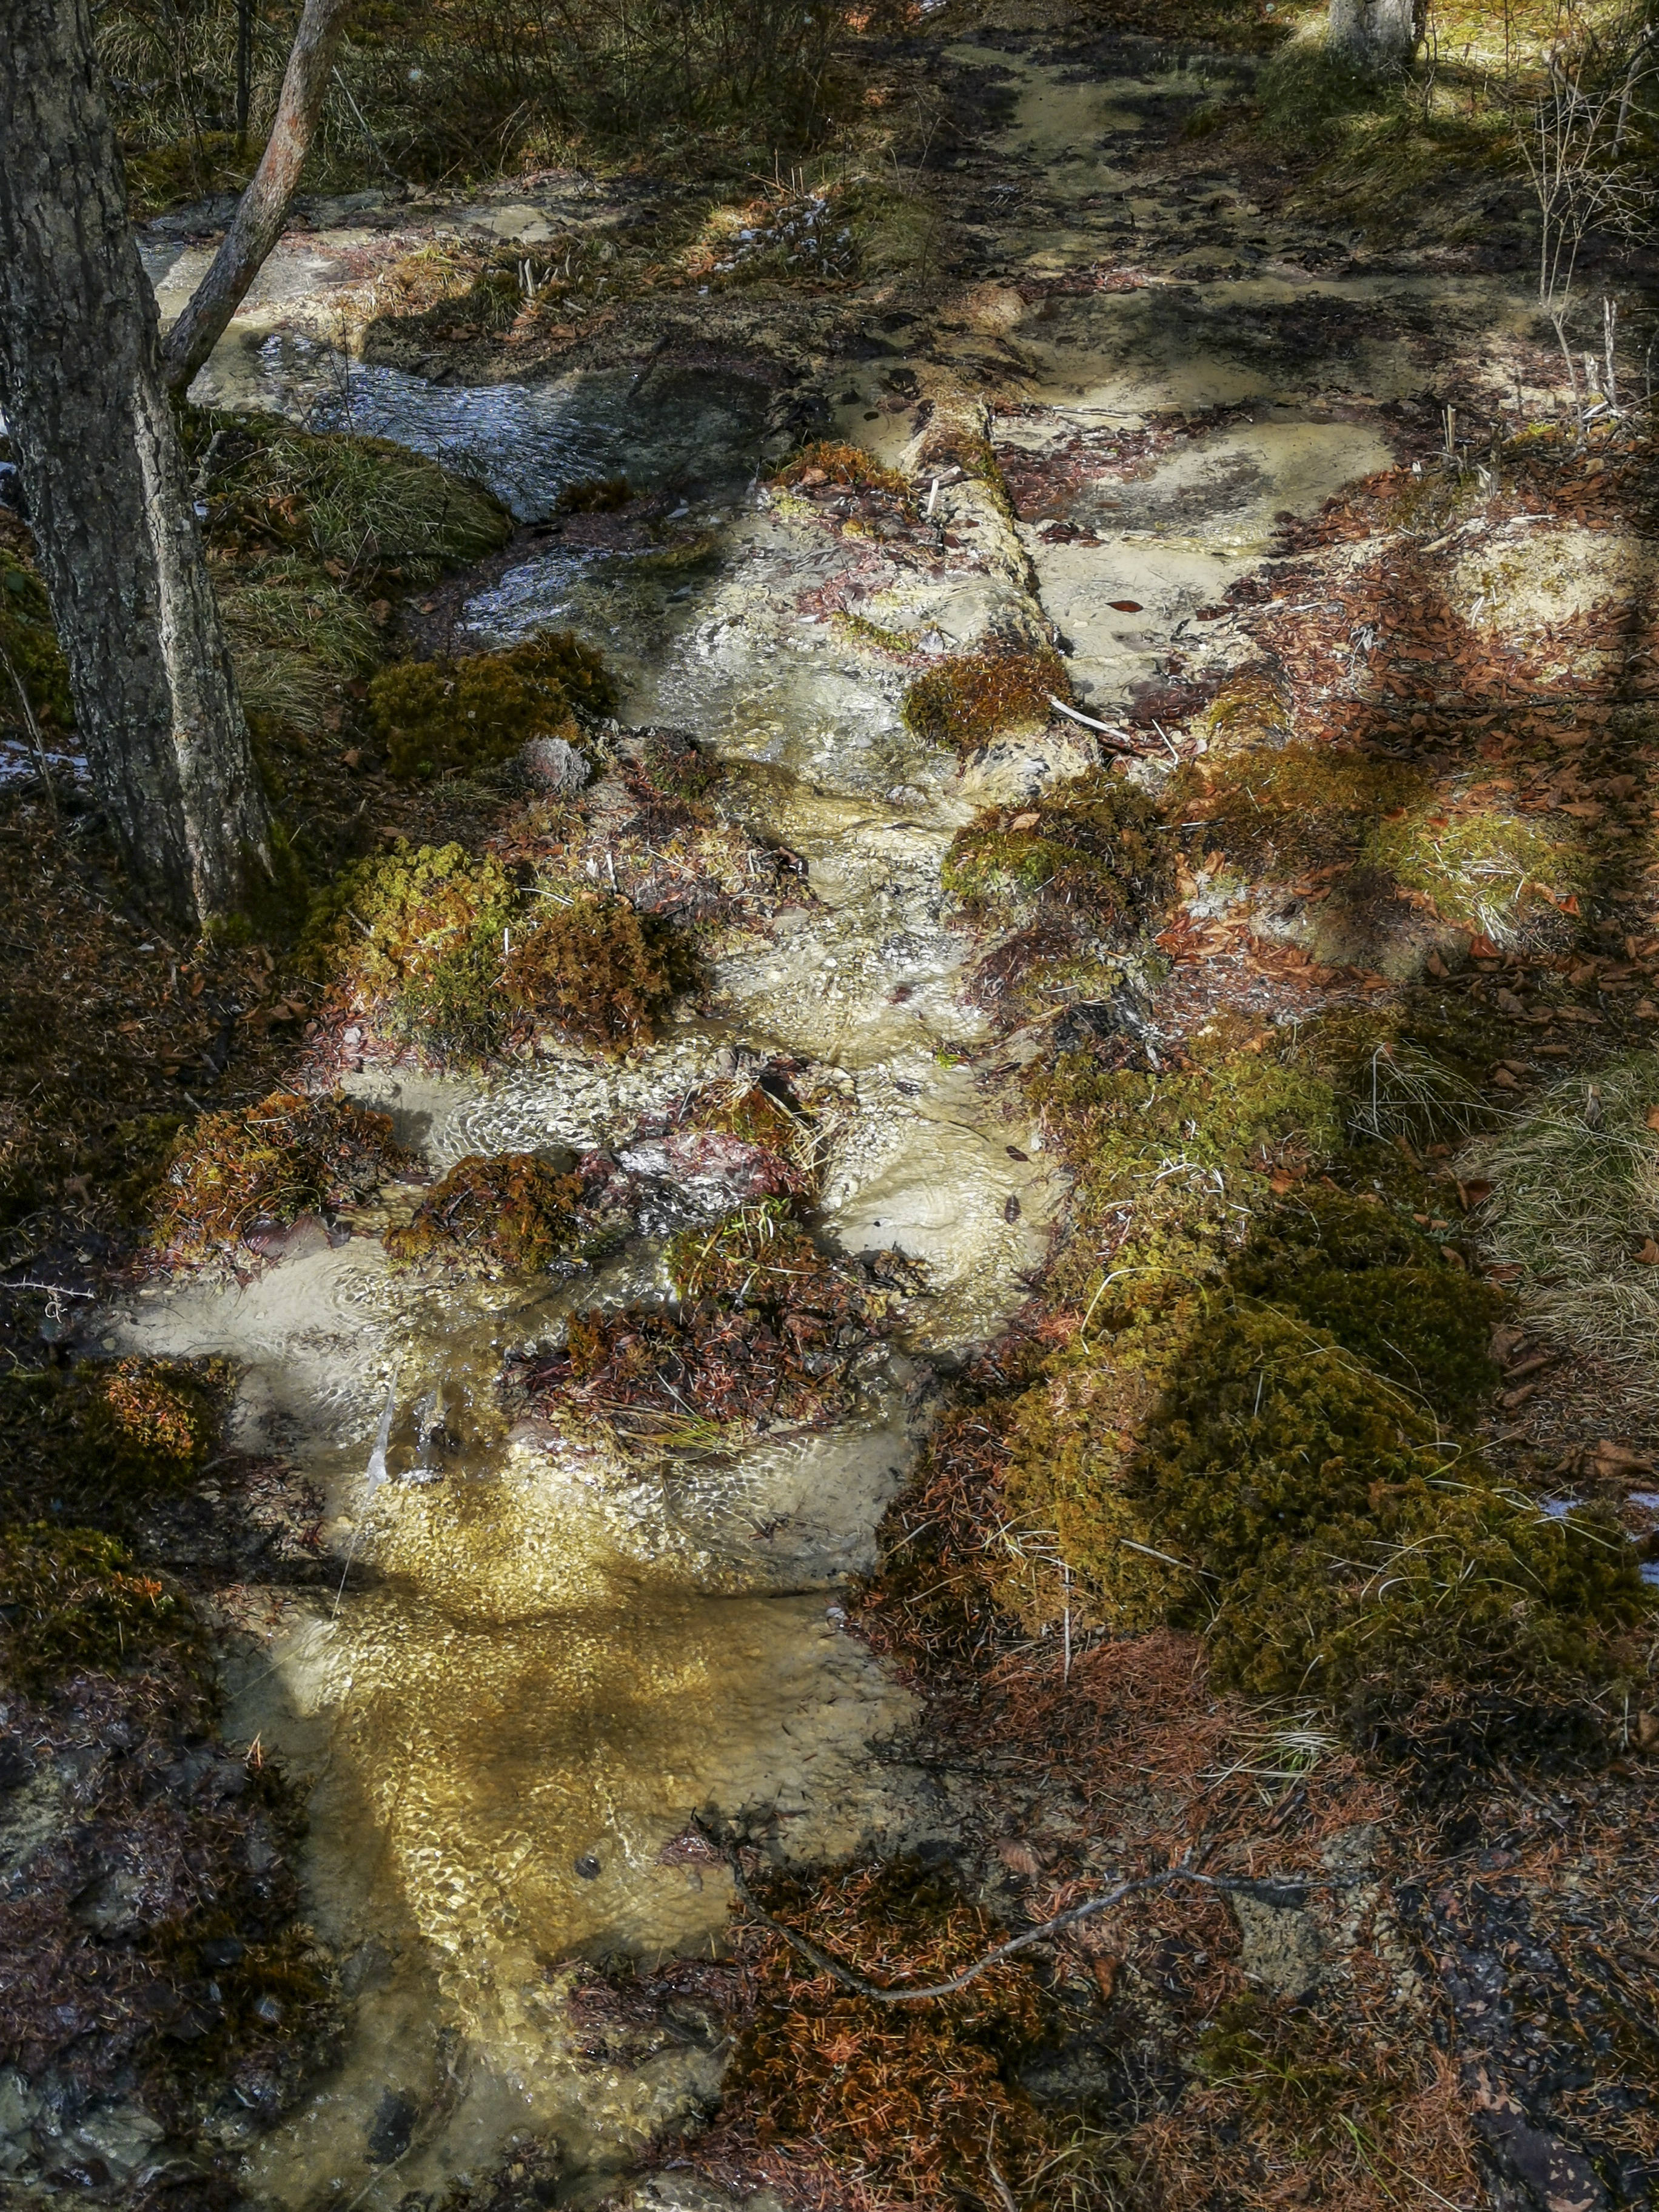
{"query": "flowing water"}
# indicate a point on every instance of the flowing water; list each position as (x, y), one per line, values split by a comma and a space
(556, 1662)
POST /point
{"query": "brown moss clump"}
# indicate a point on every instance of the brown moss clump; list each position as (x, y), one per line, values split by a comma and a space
(518, 1213)
(1297, 807)
(598, 496)
(913, 2098)
(971, 697)
(235, 1172)
(1096, 848)
(767, 1336)
(72, 1599)
(596, 971)
(830, 462)
(87, 1440)
(155, 1412)
(434, 715)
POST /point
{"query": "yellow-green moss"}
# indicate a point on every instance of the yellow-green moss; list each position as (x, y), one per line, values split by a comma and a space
(31, 645)
(415, 936)
(517, 1212)
(73, 1599)
(1096, 846)
(830, 461)
(1480, 866)
(971, 697)
(267, 1164)
(432, 715)
(596, 970)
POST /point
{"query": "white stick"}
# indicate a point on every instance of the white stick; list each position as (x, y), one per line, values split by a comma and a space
(1089, 721)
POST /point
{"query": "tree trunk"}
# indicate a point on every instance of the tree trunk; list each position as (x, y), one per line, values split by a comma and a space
(1375, 35)
(108, 495)
(263, 208)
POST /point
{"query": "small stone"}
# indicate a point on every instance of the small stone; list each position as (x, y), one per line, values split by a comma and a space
(588, 1867)
(555, 765)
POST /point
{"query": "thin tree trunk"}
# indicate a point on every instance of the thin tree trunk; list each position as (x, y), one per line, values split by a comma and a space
(263, 208)
(1375, 34)
(108, 495)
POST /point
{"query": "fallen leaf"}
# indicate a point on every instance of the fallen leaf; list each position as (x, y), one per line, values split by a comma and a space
(1023, 822)
(1474, 1192)
(1125, 606)
(1451, 1253)
(1648, 1254)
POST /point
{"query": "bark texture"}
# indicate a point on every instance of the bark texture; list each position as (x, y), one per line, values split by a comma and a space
(109, 497)
(263, 208)
(1375, 34)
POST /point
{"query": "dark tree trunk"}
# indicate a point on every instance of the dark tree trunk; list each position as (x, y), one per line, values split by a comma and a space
(263, 208)
(108, 494)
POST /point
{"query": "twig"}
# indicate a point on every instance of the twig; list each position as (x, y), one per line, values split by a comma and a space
(1265, 1889)
(1118, 736)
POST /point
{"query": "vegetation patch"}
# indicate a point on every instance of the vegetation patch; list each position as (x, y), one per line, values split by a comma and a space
(827, 461)
(517, 1213)
(970, 698)
(236, 1173)
(73, 1599)
(361, 506)
(1575, 1211)
(30, 644)
(596, 970)
(435, 715)
(916, 2100)
(1096, 848)
(767, 1334)
(1479, 865)
(1294, 808)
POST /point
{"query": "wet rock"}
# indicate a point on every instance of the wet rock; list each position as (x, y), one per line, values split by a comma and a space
(1022, 767)
(1528, 2169)
(555, 765)
(21, 2107)
(16, 1764)
(121, 2139)
(1281, 1947)
(687, 2192)
(394, 2127)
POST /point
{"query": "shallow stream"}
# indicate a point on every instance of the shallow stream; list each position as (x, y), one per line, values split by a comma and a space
(557, 1663)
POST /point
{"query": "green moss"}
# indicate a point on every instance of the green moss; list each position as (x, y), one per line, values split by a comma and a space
(267, 1164)
(415, 936)
(1096, 846)
(1480, 866)
(432, 715)
(1297, 807)
(596, 970)
(517, 1212)
(970, 697)
(72, 1599)
(30, 643)
(89, 1439)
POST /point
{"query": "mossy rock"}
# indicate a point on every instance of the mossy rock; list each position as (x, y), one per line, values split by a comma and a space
(1096, 847)
(73, 1600)
(233, 1172)
(969, 698)
(517, 1212)
(432, 715)
(1486, 868)
(100, 1435)
(828, 460)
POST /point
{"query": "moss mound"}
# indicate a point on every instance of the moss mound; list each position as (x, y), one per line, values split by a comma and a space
(596, 971)
(1482, 867)
(1299, 806)
(235, 1172)
(71, 1599)
(971, 697)
(90, 1438)
(415, 936)
(517, 1212)
(434, 715)
(362, 507)
(830, 462)
(1097, 847)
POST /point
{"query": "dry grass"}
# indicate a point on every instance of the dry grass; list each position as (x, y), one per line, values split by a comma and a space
(1574, 1209)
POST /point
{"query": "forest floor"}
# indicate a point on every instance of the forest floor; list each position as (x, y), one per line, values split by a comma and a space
(1252, 448)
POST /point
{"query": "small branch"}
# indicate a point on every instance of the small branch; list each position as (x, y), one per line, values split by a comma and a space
(1107, 730)
(1267, 1891)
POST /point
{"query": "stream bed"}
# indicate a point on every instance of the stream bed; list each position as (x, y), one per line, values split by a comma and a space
(557, 1663)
